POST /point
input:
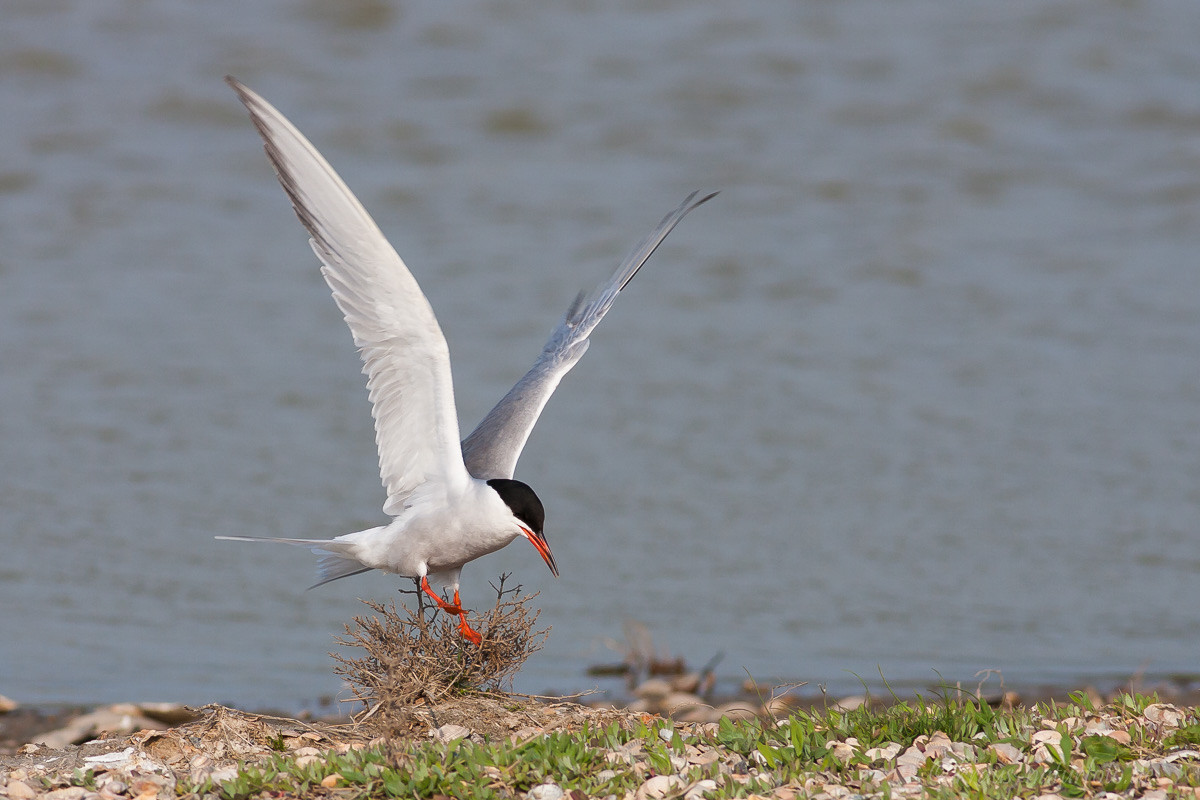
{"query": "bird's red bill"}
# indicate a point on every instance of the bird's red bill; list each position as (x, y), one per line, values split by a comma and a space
(539, 542)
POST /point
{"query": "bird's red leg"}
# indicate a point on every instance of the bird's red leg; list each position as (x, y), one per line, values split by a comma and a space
(442, 604)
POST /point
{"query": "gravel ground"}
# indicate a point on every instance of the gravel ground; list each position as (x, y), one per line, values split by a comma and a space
(158, 746)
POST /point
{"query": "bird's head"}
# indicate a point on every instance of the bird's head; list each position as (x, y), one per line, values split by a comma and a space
(530, 515)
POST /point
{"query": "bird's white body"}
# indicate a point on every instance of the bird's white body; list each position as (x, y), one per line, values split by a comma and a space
(451, 503)
(434, 536)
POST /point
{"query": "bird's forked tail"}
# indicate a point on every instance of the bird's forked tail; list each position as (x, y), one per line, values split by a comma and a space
(335, 561)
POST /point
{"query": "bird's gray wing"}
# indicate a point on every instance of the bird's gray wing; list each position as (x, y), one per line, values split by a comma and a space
(492, 449)
(404, 353)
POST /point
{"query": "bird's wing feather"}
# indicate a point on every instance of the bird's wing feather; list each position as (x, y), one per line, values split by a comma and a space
(405, 357)
(492, 449)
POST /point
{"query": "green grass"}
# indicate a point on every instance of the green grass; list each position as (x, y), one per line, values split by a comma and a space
(808, 749)
(459, 769)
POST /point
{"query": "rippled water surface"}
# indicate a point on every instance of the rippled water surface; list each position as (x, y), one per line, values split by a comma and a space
(918, 394)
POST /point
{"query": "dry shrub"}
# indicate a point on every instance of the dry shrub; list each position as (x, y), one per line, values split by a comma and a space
(412, 657)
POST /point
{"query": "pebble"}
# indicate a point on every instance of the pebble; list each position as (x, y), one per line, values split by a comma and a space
(702, 758)
(528, 732)
(938, 745)
(700, 789)
(885, 753)
(908, 762)
(450, 733)
(1042, 742)
(145, 788)
(1163, 715)
(112, 784)
(545, 791)
(841, 751)
(306, 756)
(66, 793)
(875, 776)
(1121, 736)
(659, 786)
(1005, 752)
(850, 703)
(19, 790)
(653, 689)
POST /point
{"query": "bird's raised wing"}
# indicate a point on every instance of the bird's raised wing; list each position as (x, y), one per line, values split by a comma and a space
(492, 449)
(404, 353)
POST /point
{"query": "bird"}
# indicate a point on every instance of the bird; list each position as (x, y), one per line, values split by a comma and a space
(450, 502)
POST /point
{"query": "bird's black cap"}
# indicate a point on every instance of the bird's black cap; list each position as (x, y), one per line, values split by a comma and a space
(522, 501)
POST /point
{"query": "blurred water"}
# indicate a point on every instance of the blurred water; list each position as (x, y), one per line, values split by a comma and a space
(917, 392)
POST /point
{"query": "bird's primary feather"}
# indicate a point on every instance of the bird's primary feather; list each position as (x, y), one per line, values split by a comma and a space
(492, 449)
(404, 353)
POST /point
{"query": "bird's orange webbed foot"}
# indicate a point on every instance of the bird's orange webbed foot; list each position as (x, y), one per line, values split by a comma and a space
(468, 632)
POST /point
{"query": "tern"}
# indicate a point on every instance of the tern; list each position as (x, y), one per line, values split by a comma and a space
(450, 502)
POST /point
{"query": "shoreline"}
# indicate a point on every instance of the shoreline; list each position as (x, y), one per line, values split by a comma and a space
(675, 697)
